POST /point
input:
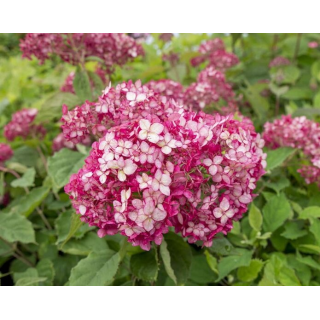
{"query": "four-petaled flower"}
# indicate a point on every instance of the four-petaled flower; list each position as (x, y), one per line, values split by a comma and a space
(124, 167)
(223, 212)
(161, 181)
(150, 131)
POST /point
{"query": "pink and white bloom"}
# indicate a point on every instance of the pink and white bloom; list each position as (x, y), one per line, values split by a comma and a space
(150, 131)
(161, 182)
(223, 212)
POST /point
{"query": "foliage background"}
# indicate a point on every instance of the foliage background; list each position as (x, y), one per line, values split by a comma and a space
(276, 243)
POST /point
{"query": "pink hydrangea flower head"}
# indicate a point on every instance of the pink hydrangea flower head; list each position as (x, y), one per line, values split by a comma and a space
(112, 48)
(195, 172)
(313, 44)
(5, 152)
(299, 133)
(279, 61)
(21, 125)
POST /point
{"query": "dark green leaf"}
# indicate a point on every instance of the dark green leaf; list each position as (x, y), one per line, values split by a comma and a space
(144, 265)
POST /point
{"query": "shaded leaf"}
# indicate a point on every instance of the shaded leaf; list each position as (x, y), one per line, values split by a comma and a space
(145, 265)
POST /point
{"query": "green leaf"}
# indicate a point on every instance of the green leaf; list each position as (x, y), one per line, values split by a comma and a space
(68, 224)
(309, 262)
(316, 100)
(221, 246)
(89, 243)
(298, 94)
(315, 229)
(275, 158)
(200, 271)
(177, 73)
(98, 269)
(98, 85)
(26, 180)
(251, 272)
(27, 203)
(255, 217)
(52, 107)
(212, 262)
(46, 270)
(63, 164)
(310, 213)
(287, 277)
(279, 185)
(276, 211)
(16, 227)
(81, 85)
(144, 265)
(293, 230)
(25, 155)
(228, 264)
(309, 248)
(28, 278)
(177, 257)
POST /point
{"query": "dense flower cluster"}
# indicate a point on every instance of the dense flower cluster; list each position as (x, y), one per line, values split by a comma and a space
(279, 61)
(21, 125)
(211, 86)
(5, 152)
(169, 88)
(195, 172)
(125, 102)
(299, 133)
(112, 48)
(214, 52)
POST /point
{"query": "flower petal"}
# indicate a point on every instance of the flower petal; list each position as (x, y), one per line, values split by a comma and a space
(156, 128)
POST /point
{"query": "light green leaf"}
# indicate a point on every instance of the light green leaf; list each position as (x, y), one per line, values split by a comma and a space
(46, 270)
(89, 243)
(228, 264)
(16, 227)
(315, 229)
(251, 272)
(81, 85)
(27, 203)
(144, 265)
(27, 180)
(98, 269)
(177, 257)
(287, 277)
(293, 230)
(63, 164)
(308, 261)
(309, 248)
(212, 261)
(177, 73)
(25, 156)
(277, 186)
(28, 278)
(52, 107)
(276, 211)
(316, 100)
(276, 157)
(255, 217)
(298, 93)
(310, 213)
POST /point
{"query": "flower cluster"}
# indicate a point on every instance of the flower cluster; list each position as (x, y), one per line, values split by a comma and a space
(299, 133)
(279, 62)
(195, 172)
(5, 152)
(210, 88)
(112, 48)
(313, 44)
(125, 102)
(21, 125)
(214, 52)
(169, 88)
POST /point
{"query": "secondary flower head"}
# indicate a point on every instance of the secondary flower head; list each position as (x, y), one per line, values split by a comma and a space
(214, 52)
(169, 88)
(112, 48)
(299, 133)
(5, 152)
(279, 61)
(195, 172)
(21, 125)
